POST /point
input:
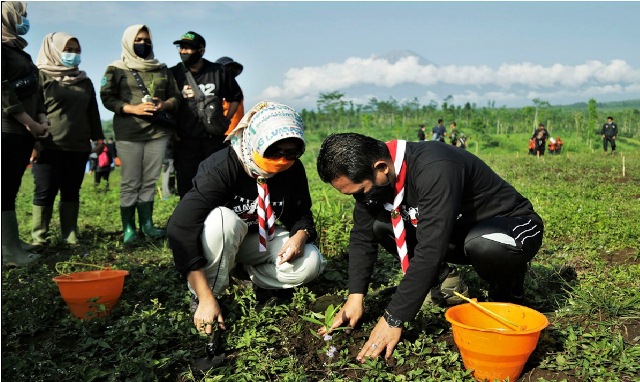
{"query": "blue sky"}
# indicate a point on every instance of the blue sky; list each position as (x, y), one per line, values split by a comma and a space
(507, 52)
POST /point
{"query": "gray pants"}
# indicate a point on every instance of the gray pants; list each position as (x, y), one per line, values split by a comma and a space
(226, 243)
(140, 168)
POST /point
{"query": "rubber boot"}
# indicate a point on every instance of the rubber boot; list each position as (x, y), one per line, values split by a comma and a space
(69, 221)
(41, 219)
(145, 214)
(12, 252)
(128, 215)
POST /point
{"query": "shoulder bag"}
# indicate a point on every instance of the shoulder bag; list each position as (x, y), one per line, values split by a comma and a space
(209, 108)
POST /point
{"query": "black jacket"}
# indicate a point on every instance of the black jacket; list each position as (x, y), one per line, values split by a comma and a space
(222, 181)
(609, 130)
(447, 192)
(214, 80)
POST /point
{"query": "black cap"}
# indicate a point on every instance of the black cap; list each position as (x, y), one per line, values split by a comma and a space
(192, 39)
(229, 63)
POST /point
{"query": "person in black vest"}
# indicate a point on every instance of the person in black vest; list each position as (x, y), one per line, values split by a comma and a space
(609, 133)
(428, 204)
(540, 135)
(193, 142)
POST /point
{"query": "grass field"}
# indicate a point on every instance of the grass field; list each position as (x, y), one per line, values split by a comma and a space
(585, 279)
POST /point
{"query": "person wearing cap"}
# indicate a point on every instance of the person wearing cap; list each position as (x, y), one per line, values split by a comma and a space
(609, 133)
(228, 219)
(236, 69)
(193, 143)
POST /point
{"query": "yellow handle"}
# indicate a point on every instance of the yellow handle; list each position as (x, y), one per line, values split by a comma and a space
(76, 263)
(489, 312)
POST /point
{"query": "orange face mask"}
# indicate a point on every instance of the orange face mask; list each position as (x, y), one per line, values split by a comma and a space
(272, 166)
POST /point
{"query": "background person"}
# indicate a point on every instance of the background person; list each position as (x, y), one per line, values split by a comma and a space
(23, 120)
(72, 109)
(235, 68)
(194, 144)
(421, 133)
(609, 133)
(142, 137)
(229, 216)
(540, 135)
(439, 132)
(428, 204)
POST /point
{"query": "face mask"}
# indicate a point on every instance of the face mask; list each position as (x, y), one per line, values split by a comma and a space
(23, 28)
(376, 195)
(70, 59)
(142, 50)
(272, 166)
(190, 58)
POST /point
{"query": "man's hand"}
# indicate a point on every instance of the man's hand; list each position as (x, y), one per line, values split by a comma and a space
(350, 313)
(382, 337)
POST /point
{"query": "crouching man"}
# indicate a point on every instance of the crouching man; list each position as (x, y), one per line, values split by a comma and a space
(428, 204)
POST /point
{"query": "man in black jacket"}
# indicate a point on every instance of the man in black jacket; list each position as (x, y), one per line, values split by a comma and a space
(609, 132)
(194, 143)
(427, 204)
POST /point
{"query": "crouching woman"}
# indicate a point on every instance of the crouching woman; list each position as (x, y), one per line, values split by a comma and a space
(229, 216)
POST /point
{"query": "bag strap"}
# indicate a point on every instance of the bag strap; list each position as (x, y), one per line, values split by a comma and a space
(139, 81)
(192, 82)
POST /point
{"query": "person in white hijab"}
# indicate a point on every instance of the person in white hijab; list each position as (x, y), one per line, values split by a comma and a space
(228, 219)
(72, 109)
(139, 89)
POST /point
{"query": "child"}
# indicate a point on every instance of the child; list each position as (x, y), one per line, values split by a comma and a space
(103, 167)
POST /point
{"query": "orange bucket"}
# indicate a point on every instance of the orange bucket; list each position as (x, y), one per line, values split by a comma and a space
(489, 347)
(84, 292)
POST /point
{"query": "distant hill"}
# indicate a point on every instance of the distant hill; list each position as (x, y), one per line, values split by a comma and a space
(614, 105)
(396, 55)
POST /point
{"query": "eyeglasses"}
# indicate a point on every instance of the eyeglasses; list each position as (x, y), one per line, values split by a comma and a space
(286, 154)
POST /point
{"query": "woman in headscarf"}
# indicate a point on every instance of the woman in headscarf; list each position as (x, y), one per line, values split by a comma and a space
(72, 109)
(23, 120)
(142, 137)
(228, 217)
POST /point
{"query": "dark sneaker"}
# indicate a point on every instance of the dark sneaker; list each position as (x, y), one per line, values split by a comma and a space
(443, 294)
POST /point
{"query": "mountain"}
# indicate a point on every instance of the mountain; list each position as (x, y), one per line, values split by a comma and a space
(396, 55)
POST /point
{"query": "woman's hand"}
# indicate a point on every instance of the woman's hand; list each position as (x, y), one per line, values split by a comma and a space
(293, 248)
(163, 105)
(144, 109)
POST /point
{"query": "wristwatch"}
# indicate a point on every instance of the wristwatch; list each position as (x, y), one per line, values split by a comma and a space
(392, 321)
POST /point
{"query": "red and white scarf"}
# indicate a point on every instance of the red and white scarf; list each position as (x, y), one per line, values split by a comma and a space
(266, 218)
(397, 149)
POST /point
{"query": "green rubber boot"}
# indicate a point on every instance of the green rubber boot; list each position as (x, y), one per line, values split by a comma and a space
(449, 281)
(12, 252)
(145, 215)
(41, 219)
(128, 215)
(69, 221)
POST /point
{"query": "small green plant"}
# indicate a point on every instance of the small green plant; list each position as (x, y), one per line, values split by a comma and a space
(326, 321)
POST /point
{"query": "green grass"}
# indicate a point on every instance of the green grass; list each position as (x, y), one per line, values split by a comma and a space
(585, 278)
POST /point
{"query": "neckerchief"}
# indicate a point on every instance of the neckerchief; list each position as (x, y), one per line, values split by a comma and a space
(397, 149)
(266, 218)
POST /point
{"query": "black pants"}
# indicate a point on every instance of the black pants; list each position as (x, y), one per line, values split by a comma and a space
(187, 155)
(16, 152)
(605, 142)
(101, 174)
(499, 248)
(58, 170)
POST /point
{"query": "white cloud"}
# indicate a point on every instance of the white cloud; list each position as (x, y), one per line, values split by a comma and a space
(508, 82)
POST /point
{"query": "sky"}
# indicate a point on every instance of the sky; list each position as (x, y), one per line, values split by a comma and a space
(508, 53)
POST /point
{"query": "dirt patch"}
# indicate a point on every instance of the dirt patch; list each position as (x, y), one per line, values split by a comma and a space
(622, 256)
(545, 375)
